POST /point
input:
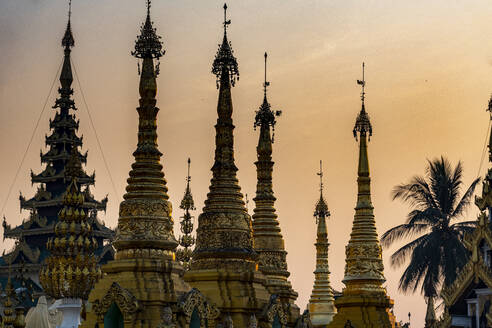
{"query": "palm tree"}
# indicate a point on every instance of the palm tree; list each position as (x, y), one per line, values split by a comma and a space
(436, 253)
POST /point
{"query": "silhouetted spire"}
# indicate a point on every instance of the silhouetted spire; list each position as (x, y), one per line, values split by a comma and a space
(269, 242)
(148, 231)
(321, 209)
(225, 65)
(224, 242)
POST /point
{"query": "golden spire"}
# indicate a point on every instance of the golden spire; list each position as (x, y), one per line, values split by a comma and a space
(186, 241)
(266, 230)
(224, 234)
(71, 269)
(364, 260)
(364, 301)
(321, 304)
(145, 225)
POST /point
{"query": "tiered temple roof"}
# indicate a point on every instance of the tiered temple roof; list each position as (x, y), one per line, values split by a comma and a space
(31, 236)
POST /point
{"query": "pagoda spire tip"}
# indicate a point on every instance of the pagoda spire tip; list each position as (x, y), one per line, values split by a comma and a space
(225, 64)
(68, 40)
(362, 124)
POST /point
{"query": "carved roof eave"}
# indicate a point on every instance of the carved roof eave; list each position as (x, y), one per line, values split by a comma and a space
(22, 248)
(471, 272)
(39, 178)
(68, 122)
(481, 232)
(50, 157)
(56, 139)
(107, 249)
(18, 232)
(34, 204)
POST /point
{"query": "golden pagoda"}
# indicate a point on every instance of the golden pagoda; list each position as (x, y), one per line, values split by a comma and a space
(141, 287)
(224, 265)
(321, 304)
(70, 271)
(468, 300)
(364, 302)
(268, 239)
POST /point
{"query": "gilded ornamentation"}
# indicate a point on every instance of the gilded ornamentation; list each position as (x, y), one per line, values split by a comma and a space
(145, 207)
(71, 269)
(167, 318)
(195, 300)
(126, 302)
(275, 309)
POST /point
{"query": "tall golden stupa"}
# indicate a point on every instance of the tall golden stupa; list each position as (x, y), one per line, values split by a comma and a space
(364, 302)
(144, 279)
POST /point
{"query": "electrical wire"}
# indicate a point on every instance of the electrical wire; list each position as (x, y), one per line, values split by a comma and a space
(95, 132)
(30, 140)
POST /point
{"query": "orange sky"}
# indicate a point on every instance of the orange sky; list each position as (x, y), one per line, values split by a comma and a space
(428, 82)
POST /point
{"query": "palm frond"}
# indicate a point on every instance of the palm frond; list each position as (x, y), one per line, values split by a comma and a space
(401, 255)
(465, 199)
(402, 231)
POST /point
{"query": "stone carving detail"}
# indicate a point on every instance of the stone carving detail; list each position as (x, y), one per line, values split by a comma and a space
(371, 263)
(274, 309)
(124, 299)
(272, 260)
(167, 318)
(151, 208)
(195, 300)
(143, 229)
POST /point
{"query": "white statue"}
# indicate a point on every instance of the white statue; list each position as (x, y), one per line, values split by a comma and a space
(40, 317)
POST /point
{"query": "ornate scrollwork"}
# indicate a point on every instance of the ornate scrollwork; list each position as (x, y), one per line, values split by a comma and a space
(195, 300)
(371, 265)
(124, 299)
(274, 309)
(131, 208)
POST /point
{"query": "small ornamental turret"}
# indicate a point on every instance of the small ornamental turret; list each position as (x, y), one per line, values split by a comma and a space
(321, 304)
(186, 241)
(8, 305)
(364, 301)
(268, 239)
(71, 269)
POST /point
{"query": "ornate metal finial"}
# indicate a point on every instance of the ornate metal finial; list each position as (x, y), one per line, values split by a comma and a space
(320, 174)
(225, 63)
(362, 124)
(265, 116)
(226, 21)
(148, 43)
(362, 83)
(266, 83)
(68, 40)
(321, 209)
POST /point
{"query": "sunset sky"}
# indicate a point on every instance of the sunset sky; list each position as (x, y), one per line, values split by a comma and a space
(428, 72)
